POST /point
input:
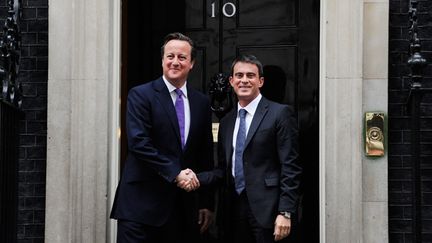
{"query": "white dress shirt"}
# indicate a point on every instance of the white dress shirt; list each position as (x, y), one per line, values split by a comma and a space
(250, 108)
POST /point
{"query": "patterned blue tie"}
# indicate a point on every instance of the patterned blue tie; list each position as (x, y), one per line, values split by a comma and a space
(239, 148)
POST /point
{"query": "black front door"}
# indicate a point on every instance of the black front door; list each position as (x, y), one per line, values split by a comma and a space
(283, 34)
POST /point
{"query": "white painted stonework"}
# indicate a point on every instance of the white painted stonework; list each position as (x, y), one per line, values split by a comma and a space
(83, 115)
(375, 98)
(83, 120)
(353, 80)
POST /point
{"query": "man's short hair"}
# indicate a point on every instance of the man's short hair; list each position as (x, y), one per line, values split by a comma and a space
(182, 37)
(247, 58)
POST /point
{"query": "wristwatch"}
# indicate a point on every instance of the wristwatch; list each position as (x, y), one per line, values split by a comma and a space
(287, 215)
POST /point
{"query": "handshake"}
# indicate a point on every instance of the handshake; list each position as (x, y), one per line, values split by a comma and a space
(187, 180)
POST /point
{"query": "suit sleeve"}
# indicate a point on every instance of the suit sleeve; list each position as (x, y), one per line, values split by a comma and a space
(209, 176)
(140, 144)
(287, 147)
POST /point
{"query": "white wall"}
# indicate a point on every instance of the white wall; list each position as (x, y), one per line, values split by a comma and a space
(83, 108)
(353, 80)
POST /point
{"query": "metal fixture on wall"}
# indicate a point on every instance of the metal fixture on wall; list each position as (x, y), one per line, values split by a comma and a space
(416, 62)
(375, 134)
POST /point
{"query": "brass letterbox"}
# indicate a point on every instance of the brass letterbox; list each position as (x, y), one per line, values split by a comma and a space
(374, 133)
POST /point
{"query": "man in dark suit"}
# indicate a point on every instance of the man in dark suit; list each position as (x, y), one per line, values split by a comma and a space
(258, 151)
(160, 197)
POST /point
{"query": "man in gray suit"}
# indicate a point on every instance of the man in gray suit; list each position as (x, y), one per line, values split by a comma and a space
(258, 151)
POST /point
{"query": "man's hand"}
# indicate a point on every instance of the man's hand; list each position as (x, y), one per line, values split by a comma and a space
(187, 180)
(282, 227)
(205, 218)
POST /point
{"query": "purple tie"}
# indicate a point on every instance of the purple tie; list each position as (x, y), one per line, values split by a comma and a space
(179, 106)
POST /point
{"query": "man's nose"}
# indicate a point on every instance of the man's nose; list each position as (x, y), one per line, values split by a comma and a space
(175, 61)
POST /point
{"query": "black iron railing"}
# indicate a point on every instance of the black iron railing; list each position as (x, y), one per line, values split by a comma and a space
(10, 52)
(10, 115)
(416, 62)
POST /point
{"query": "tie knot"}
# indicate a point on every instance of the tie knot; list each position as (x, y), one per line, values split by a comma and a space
(179, 92)
(242, 113)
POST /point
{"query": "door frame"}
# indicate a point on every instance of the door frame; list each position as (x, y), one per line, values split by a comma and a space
(114, 168)
(341, 58)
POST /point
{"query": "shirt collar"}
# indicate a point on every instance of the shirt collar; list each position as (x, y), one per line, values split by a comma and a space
(171, 87)
(252, 106)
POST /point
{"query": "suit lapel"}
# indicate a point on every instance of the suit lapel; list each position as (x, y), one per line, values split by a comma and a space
(232, 116)
(193, 106)
(256, 120)
(165, 100)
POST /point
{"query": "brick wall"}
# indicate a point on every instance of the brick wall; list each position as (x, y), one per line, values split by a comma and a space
(400, 164)
(33, 129)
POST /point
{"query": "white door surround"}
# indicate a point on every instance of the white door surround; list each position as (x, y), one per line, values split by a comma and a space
(84, 104)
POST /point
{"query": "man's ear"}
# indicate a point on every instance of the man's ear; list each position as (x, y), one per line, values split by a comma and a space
(231, 81)
(261, 83)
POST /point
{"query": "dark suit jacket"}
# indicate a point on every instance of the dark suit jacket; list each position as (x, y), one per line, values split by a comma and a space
(270, 162)
(147, 192)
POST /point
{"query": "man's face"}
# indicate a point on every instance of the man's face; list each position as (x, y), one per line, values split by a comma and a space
(246, 82)
(176, 61)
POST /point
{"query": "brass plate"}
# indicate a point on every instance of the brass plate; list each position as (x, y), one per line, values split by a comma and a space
(374, 134)
(215, 130)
